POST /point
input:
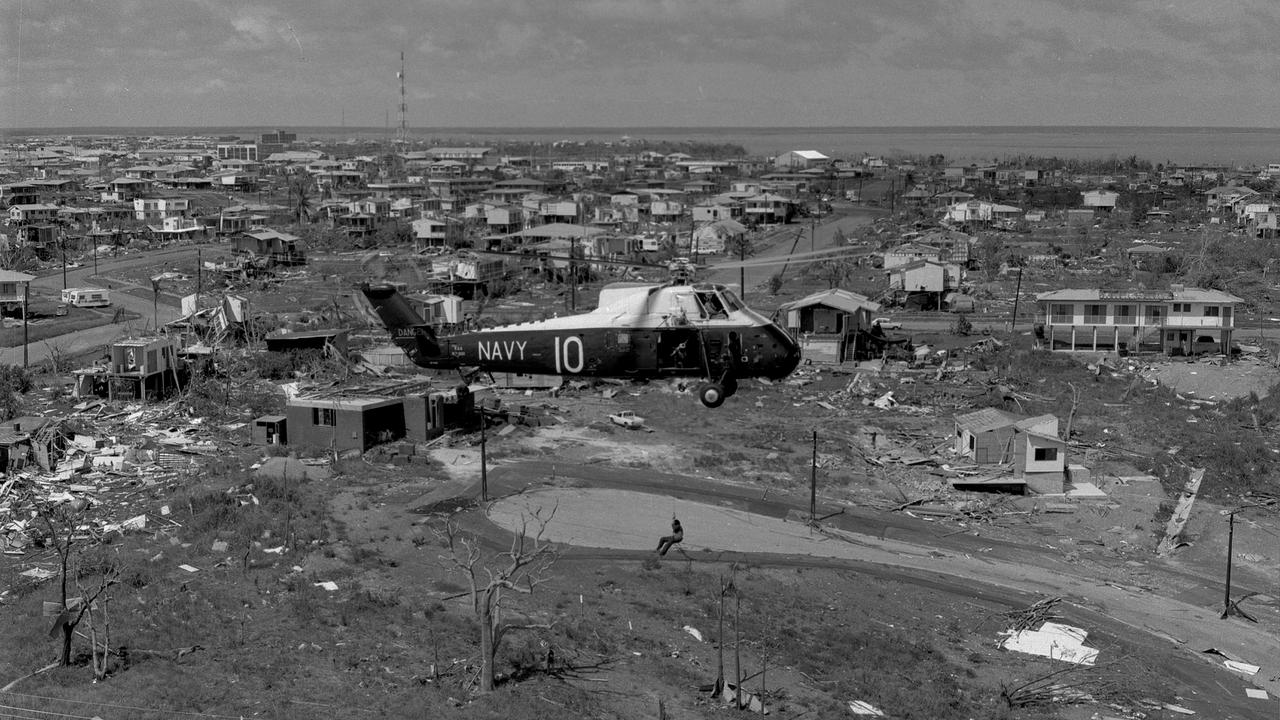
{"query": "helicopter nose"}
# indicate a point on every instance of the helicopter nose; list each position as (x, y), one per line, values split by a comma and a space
(788, 356)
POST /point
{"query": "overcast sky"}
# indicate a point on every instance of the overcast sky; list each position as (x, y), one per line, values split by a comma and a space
(629, 63)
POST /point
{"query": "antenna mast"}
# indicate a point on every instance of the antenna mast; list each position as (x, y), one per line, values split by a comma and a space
(402, 135)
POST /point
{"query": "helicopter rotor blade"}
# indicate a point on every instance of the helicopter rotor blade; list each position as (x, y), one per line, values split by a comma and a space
(794, 259)
(566, 258)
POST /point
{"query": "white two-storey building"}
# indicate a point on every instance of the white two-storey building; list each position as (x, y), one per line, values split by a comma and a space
(1176, 321)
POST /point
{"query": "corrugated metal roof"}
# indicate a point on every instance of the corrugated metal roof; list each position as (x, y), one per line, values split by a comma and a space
(986, 419)
(836, 298)
(1200, 295)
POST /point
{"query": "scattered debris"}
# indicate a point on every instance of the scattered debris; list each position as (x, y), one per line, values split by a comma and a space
(1034, 614)
(1085, 491)
(1054, 641)
(1241, 667)
(1173, 531)
(862, 707)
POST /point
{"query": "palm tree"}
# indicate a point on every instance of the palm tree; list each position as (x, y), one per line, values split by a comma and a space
(299, 200)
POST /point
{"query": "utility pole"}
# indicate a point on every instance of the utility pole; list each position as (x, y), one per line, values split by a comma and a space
(62, 244)
(1017, 295)
(742, 270)
(1231, 536)
(813, 482)
(484, 459)
(573, 274)
(1230, 608)
(26, 291)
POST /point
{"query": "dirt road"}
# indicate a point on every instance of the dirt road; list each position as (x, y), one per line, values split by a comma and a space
(721, 522)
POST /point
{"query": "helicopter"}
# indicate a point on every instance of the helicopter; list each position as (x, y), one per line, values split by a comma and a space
(638, 331)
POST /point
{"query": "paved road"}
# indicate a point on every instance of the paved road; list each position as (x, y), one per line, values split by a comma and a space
(133, 298)
(800, 238)
(724, 523)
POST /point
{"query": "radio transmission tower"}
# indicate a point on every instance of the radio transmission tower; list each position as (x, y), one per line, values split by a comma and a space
(402, 135)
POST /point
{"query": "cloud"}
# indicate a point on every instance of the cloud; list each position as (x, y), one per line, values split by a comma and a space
(586, 62)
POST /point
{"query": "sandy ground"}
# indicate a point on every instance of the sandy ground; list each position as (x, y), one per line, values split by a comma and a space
(587, 517)
(1210, 380)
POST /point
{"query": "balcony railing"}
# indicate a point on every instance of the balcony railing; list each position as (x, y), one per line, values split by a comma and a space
(1176, 321)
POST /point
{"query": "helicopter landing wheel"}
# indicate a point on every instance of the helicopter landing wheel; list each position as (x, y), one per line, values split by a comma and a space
(711, 394)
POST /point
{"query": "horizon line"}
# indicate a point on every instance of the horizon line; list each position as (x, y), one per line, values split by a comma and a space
(69, 129)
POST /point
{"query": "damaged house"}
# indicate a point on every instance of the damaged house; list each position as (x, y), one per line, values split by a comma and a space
(277, 248)
(29, 439)
(1030, 446)
(146, 368)
(357, 419)
(833, 326)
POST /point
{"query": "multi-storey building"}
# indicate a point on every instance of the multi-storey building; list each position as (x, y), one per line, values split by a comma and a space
(1176, 321)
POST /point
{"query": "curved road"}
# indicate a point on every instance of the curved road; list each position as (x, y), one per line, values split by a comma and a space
(133, 298)
(724, 523)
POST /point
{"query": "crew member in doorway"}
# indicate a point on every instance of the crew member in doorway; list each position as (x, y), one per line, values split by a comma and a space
(677, 534)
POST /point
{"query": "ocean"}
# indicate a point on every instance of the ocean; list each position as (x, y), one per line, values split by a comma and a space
(1234, 147)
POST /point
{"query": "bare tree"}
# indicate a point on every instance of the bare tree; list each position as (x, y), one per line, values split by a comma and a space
(61, 523)
(93, 606)
(520, 568)
(836, 271)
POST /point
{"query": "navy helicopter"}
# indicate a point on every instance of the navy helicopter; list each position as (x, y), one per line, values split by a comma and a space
(638, 331)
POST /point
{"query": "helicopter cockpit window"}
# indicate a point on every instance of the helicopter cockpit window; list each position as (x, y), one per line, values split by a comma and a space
(688, 307)
(731, 301)
(712, 304)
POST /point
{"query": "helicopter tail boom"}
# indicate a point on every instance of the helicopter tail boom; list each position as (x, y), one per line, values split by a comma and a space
(407, 329)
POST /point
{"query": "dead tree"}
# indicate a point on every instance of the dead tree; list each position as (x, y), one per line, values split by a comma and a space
(60, 522)
(1075, 405)
(93, 607)
(521, 568)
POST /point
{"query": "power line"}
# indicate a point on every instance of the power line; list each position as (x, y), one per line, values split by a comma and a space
(106, 705)
(41, 712)
(161, 711)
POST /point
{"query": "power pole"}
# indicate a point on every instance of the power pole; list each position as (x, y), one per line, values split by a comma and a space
(573, 274)
(1017, 295)
(1231, 536)
(813, 482)
(742, 270)
(484, 459)
(26, 291)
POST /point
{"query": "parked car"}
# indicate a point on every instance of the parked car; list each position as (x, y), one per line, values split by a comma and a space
(627, 419)
(887, 323)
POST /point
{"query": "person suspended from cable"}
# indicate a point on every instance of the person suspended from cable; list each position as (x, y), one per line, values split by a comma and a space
(667, 541)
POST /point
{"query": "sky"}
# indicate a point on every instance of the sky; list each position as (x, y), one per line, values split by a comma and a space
(638, 63)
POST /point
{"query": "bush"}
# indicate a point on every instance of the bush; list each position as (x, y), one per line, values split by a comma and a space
(14, 382)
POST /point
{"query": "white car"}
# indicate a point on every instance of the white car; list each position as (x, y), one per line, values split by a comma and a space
(627, 419)
(887, 323)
